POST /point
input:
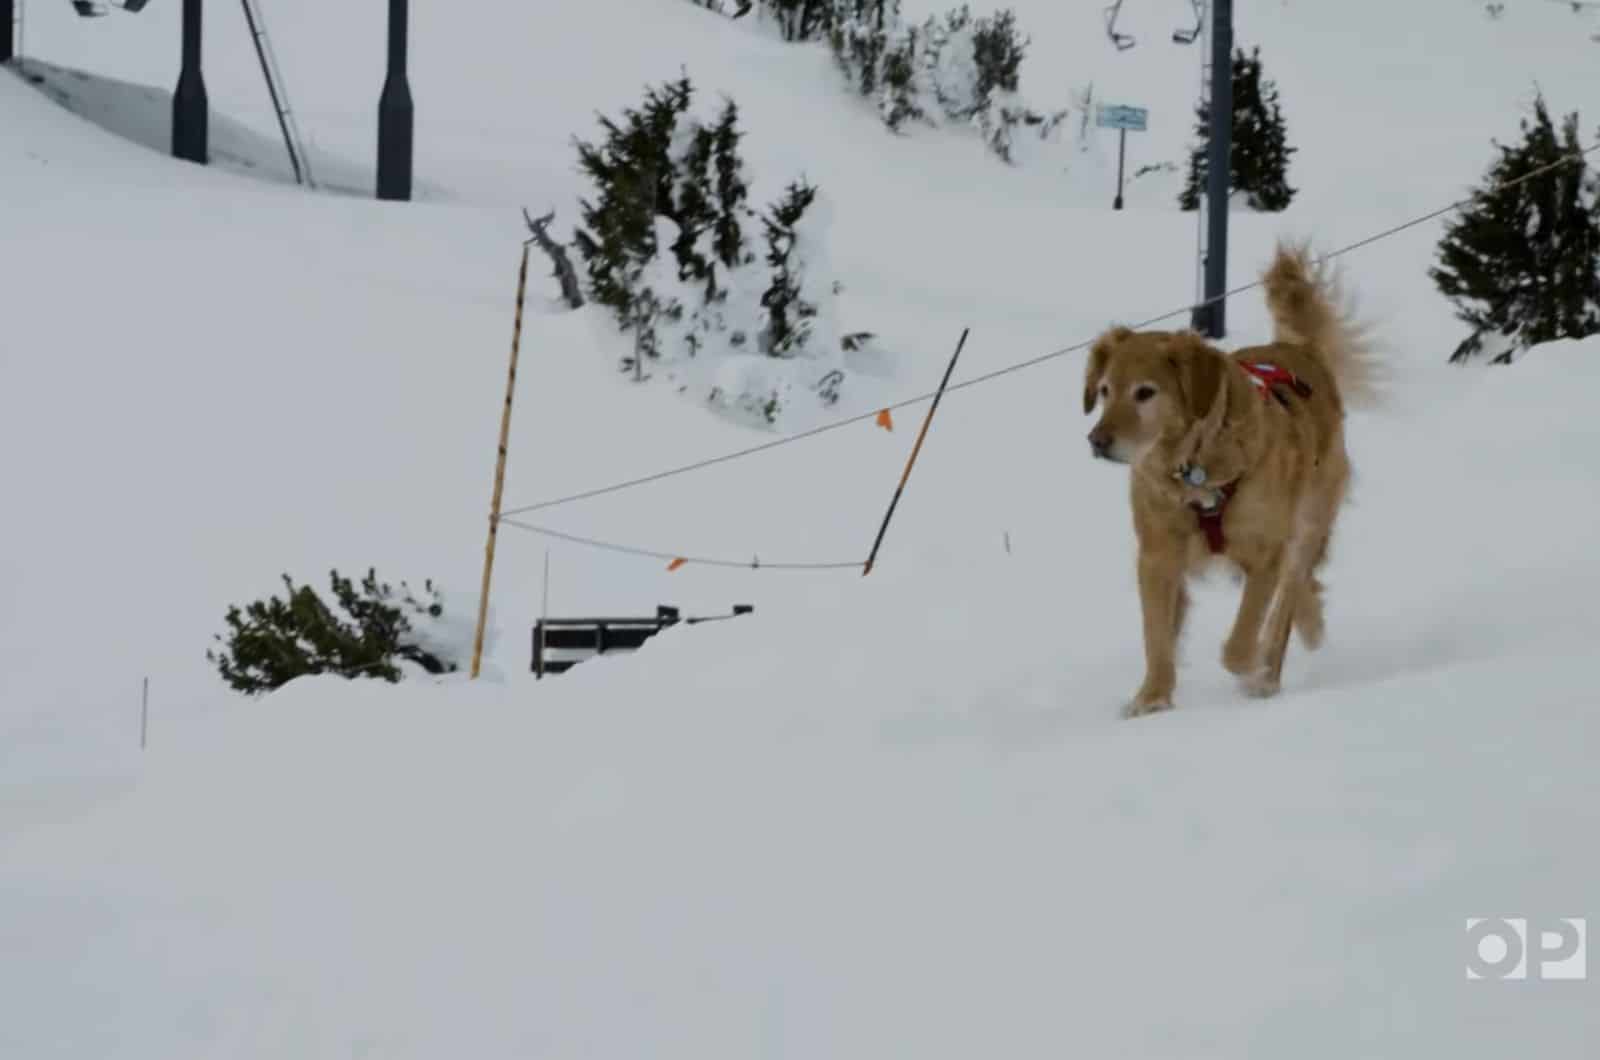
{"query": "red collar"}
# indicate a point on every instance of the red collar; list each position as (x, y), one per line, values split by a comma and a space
(1210, 519)
(1265, 376)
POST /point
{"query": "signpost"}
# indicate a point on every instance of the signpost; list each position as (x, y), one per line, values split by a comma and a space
(1121, 118)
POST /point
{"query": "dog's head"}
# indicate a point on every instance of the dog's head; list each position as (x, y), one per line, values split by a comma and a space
(1155, 386)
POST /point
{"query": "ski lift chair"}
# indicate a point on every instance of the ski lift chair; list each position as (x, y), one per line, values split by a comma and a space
(99, 8)
(1123, 41)
(1182, 35)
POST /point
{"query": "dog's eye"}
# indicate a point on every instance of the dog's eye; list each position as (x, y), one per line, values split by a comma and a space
(1105, 390)
(1144, 393)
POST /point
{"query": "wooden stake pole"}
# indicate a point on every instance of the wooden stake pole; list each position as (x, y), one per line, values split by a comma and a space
(915, 449)
(500, 469)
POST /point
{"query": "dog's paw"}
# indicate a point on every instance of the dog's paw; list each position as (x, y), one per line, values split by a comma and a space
(1239, 659)
(1260, 684)
(1146, 703)
(1308, 620)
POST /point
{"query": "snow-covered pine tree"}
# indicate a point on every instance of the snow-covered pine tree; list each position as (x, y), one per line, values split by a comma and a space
(1522, 264)
(270, 642)
(696, 210)
(1260, 161)
(998, 49)
(633, 172)
(860, 33)
(803, 20)
(901, 99)
(788, 311)
(679, 266)
(731, 190)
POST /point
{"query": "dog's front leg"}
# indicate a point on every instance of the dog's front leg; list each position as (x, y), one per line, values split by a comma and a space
(1242, 650)
(1162, 600)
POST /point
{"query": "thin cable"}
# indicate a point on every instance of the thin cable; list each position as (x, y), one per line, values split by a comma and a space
(755, 563)
(1009, 369)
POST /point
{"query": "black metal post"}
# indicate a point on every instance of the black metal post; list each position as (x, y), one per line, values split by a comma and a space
(190, 108)
(1122, 155)
(395, 113)
(8, 30)
(1210, 318)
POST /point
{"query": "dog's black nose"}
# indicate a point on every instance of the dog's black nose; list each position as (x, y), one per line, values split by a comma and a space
(1100, 442)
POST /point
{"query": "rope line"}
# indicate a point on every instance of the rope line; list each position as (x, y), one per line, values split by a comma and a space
(1010, 369)
(755, 563)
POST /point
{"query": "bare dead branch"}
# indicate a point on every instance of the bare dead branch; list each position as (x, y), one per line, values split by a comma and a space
(571, 289)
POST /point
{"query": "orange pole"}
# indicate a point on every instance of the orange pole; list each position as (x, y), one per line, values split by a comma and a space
(500, 469)
(915, 449)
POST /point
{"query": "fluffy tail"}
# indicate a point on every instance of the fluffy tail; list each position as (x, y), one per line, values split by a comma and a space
(1309, 306)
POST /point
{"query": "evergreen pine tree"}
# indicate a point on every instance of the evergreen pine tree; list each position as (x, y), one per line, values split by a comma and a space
(998, 51)
(803, 20)
(696, 211)
(731, 189)
(271, 642)
(787, 309)
(858, 32)
(1522, 264)
(659, 163)
(1259, 165)
(635, 174)
(900, 100)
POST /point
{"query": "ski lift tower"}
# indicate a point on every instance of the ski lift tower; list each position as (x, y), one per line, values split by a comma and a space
(395, 112)
(1210, 318)
(191, 109)
(1216, 97)
(10, 15)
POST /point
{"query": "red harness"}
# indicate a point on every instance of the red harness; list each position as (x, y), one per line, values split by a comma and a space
(1210, 519)
(1266, 378)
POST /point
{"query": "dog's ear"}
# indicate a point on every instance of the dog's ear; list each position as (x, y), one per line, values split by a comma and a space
(1099, 357)
(1197, 372)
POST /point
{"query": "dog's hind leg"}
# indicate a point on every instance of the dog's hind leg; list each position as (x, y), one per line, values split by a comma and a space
(1267, 676)
(1296, 597)
(1308, 610)
(1308, 614)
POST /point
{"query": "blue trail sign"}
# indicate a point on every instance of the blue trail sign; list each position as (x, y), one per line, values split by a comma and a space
(1121, 118)
(1117, 116)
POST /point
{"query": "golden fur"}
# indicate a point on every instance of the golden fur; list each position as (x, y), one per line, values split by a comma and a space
(1173, 401)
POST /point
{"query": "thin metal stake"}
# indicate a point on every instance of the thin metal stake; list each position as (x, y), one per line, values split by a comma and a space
(915, 449)
(544, 612)
(1122, 156)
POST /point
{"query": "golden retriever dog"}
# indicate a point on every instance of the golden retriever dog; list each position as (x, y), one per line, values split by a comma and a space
(1240, 458)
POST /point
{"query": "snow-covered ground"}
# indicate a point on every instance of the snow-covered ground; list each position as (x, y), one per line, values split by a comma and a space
(892, 816)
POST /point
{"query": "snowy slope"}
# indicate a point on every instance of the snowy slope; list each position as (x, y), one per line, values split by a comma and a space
(881, 817)
(937, 842)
